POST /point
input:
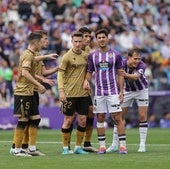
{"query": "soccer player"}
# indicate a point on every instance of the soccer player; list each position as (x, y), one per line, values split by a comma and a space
(40, 71)
(106, 63)
(90, 118)
(136, 88)
(71, 74)
(24, 100)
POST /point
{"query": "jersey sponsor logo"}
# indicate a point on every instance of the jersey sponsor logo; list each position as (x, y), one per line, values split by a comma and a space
(104, 65)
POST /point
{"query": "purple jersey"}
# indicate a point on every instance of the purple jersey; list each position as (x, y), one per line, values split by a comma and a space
(105, 65)
(135, 85)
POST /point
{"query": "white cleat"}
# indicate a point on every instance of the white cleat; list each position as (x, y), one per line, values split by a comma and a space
(112, 149)
(142, 149)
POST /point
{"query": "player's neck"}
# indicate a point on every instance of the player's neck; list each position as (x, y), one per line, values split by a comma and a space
(104, 49)
(78, 52)
(31, 48)
(129, 65)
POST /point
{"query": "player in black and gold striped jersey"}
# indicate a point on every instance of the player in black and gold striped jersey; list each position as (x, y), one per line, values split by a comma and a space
(71, 74)
(24, 100)
(87, 39)
(40, 72)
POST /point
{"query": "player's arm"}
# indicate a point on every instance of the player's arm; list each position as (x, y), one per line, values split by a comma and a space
(47, 72)
(44, 57)
(86, 84)
(45, 80)
(120, 84)
(29, 77)
(134, 76)
(60, 78)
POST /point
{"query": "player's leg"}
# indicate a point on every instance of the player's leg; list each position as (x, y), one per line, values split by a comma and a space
(116, 110)
(115, 141)
(101, 109)
(66, 134)
(68, 109)
(82, 112)
(143, 128)
(20, 107)
(121, 132)
(33, 132)
(34, 120)
(71, 129)
(89, 129)
(143, 102)
(101, 132)
(18, 136)
(25, 139)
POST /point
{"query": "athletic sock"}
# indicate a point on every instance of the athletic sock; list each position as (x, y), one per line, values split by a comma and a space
(143, 129)
(33, 131)
(80, 135)
(25, 139)
(89, 129)
(115, 141)
(65, 134)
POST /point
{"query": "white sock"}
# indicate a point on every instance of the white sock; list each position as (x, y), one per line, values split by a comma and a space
(143, 134)
(32, 148)
(102, 141)
(77, 147)
(115, 141)
(122, 140)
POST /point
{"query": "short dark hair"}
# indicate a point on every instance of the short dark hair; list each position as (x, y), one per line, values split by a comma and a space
(102, 30)
(77, 34)
(84, 29)
(34, 36)
(134, 50)
(42, 32)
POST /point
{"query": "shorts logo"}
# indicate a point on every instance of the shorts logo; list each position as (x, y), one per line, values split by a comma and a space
(116, 105)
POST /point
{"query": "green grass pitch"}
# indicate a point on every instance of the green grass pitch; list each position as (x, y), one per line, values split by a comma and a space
(49, 142)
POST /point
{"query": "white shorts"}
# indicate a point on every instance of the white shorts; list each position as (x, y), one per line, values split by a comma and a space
(141, 97)
(104, 104)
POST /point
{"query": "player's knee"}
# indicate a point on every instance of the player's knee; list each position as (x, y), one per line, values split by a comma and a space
(82, 121)
(101, 117)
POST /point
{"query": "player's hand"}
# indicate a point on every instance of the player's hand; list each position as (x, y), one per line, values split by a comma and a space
(86, 85)
(49, 81)
(121, 72)
(62, 96)
(52, 56)
(41, 89)
(90, 91)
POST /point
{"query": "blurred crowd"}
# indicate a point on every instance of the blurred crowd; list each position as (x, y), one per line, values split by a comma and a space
(131, 23)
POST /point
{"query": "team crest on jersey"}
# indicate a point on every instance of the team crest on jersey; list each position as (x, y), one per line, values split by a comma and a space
(26, 64)
(140, 71)
(111, 55)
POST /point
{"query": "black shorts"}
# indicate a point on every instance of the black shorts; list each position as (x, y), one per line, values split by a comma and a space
(36, 95)
(25, 106)
(90, 101)
(80, 105)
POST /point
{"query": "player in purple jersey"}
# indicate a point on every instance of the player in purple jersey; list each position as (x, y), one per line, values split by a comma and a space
(136, 88)
(106, 64)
